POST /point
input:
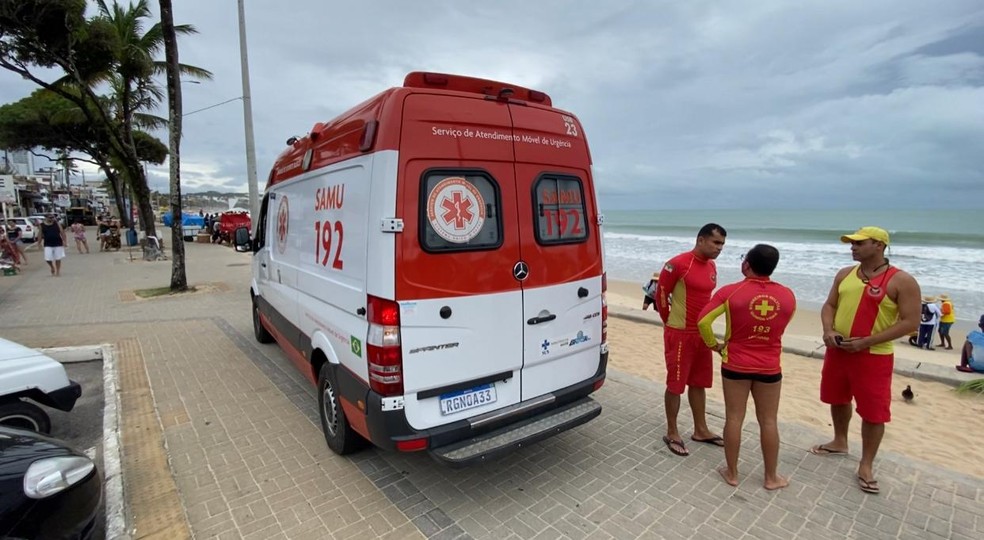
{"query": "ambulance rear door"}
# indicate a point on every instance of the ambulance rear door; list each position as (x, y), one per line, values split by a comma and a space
(457, 257)
(561, 245)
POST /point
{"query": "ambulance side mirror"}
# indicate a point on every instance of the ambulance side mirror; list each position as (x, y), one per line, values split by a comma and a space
(242, 240)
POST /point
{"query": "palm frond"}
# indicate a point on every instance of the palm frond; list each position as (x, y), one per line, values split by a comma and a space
(149, 121)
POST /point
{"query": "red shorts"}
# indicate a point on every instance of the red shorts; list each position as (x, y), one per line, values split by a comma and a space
(865, 377)
(688, 360)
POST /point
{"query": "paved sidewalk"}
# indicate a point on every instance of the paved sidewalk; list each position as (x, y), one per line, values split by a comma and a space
(246, 457)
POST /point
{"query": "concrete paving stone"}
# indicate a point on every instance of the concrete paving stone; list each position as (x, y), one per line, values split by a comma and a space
(215, 525)
(575, 526)
(623, 522)
(549, 534)
(762, 533)
(722, 528)
(938, 526)
(425, 525)
(268, 531)
(792, 522)
(599, 534)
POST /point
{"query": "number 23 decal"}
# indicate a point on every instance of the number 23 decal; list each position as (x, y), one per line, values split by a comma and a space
(327, 235)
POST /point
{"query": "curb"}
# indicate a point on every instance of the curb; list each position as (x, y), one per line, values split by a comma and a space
(72, 355)
(905, 367)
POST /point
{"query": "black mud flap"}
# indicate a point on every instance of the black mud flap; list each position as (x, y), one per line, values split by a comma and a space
(506, 439)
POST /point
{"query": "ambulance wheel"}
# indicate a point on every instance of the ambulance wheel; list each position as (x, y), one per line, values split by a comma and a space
(339, 435)
(21, 415)
(259, 331)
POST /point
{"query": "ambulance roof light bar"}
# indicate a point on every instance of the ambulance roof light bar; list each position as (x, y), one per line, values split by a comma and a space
(474, 85)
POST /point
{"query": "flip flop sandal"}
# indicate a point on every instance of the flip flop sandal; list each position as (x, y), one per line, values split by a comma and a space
(716, 440)
(822, 450)
(868, 486)
(670, 443)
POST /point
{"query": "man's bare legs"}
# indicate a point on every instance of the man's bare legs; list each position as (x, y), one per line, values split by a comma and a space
(766, 397)
(671, 404)
(871, 438)
(735, 403)
(698, 402)
(841, 417)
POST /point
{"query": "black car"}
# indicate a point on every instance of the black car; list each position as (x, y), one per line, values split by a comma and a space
(47, 490)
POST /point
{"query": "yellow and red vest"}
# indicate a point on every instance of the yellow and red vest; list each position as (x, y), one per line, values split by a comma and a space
(864, 309)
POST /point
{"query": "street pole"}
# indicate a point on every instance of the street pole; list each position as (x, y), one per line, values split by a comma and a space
(254, 201)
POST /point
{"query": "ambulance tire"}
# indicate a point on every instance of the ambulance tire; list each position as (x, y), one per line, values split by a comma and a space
(259, 331)
(339, 435)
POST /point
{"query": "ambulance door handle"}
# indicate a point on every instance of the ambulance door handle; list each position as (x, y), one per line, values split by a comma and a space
(582, 292)
(263, 265)
(360, 311)
(542, 319)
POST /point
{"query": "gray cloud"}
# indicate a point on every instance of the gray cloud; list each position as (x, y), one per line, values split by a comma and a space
(756, 103)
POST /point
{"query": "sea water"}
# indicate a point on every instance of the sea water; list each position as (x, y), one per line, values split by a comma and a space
(943, 250)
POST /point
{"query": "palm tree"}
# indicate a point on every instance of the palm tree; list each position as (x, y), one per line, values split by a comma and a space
(179, 282)
(135, 90)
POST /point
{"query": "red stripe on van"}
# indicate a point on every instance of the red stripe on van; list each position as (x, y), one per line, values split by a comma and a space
(355, 417)
(295, 356)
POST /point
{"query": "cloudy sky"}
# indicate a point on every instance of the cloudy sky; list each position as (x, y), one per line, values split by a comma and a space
(728, 104)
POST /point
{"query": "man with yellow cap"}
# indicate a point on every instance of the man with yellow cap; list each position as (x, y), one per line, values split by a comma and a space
(946, 321)
(870, 305)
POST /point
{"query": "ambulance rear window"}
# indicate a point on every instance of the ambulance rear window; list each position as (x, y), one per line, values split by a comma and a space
(460, 211)
(558, 204)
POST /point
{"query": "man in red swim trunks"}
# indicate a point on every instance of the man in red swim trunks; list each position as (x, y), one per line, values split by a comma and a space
(869, 305)
(690, 278)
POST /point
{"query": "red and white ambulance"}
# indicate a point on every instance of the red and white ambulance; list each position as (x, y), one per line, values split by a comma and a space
(432, 261)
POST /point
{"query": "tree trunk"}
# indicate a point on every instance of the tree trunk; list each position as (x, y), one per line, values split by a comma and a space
(179, 280)
(115, 185)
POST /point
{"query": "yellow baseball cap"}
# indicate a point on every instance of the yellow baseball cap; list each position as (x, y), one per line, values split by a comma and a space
(867, 233)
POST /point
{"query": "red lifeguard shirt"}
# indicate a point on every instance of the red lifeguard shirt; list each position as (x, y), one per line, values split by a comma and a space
(691, 279)
(758, 311)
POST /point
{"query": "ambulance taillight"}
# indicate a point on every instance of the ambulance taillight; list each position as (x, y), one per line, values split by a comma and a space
(604, 309)
(383, 347)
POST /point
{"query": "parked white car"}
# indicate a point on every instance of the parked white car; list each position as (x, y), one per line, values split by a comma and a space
(29, 231)
(28, 374)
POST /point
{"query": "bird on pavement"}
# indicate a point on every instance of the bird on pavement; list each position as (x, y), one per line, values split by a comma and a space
(907, 394)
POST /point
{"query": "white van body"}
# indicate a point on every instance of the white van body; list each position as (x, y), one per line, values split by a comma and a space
(432, 260)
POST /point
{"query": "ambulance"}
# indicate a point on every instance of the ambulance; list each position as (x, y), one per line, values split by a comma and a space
(432, 261)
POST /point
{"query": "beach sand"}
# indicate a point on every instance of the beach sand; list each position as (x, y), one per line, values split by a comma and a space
(939, 426)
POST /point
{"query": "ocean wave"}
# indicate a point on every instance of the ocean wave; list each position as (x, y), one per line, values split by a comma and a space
(807, 235)
(935, 254)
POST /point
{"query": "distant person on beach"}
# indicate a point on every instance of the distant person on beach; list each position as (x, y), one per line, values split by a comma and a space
(929, 317)
(947, 319)
(972, 353)
(649, 291)
(684, 288)
(870, 305)
(757, 311)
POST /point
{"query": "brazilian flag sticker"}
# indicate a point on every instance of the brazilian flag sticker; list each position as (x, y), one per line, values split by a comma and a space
(356, 346)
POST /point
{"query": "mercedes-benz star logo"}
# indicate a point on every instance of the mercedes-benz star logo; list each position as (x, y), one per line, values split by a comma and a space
(521, 271)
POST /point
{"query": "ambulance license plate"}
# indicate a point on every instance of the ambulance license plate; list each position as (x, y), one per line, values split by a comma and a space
(463, 400)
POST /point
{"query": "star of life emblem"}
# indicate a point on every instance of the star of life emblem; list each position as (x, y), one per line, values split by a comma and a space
(283, 222)
(456, 210)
